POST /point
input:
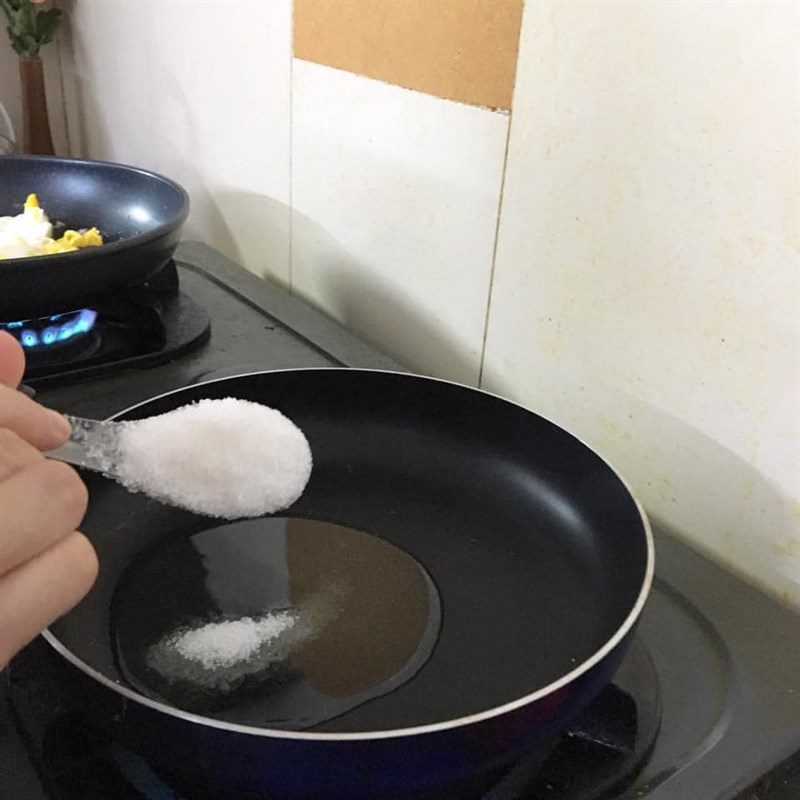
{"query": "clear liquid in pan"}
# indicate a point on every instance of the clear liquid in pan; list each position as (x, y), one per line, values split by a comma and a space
(365, 617)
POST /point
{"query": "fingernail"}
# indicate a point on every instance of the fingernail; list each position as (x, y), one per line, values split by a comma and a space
(60, 423)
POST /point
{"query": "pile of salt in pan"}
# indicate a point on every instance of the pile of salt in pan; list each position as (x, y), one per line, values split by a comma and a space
(219, 655)
(222, 644)
(224, 458)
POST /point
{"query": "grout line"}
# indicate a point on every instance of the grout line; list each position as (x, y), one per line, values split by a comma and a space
(494, 253)
(60, 62)
(291, 153)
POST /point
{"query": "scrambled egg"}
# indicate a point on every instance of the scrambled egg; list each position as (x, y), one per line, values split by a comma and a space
(31, 234)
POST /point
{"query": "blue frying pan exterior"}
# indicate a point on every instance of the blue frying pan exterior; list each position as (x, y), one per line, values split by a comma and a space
(459, 762)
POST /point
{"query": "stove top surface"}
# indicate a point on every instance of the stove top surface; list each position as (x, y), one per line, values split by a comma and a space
(706, 703)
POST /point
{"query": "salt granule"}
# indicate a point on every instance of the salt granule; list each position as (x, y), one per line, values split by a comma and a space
(220, 655)
(224, 458)
(223, 644)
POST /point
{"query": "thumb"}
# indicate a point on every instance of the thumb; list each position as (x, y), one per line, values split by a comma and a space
(12, 360)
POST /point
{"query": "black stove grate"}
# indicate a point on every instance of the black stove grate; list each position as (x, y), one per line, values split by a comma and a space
(152, 324)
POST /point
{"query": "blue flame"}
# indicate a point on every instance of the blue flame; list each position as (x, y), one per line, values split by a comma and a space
(38, 333)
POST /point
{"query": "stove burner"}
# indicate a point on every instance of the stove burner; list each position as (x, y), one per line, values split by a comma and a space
(53, 331)
(150, 324)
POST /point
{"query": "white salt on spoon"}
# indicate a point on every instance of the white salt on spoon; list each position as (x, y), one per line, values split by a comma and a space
(224, 458)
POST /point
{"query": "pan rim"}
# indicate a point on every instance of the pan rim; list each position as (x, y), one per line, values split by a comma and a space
(119, 245)
(445, 725)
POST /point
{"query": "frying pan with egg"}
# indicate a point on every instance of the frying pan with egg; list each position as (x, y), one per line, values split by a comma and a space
(540, 557)
(138, 213)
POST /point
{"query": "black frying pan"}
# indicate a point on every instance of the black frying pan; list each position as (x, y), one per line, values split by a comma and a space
(138, 213)
(541, 557)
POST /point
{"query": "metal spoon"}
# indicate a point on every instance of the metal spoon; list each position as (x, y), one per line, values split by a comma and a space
(92, 444)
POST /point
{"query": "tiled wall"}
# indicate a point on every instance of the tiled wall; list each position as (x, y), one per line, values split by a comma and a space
(616, 246)
(646, 283)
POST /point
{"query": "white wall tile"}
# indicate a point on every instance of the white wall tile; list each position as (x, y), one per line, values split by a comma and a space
(395, 198)
(646, 285)
(200, 92)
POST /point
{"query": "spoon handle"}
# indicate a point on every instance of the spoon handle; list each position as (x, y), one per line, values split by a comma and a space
(92, 444)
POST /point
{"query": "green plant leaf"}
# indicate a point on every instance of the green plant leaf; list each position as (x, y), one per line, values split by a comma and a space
(8, 10)
(47, 23)
(10, 7)
(27, 15)
(18, 29)
(29, 28)
(25, 45)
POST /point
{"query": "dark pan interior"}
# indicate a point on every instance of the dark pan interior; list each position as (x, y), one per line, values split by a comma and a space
(122, 202)
(138, 213)
(537, 549)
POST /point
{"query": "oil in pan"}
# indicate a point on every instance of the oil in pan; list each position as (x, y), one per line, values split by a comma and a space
(274, 622)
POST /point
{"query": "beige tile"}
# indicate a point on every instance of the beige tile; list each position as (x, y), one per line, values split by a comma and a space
(646, 285)
(395, 197)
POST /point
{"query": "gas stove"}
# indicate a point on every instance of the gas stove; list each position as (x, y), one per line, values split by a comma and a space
(152, 323)
(705, 704)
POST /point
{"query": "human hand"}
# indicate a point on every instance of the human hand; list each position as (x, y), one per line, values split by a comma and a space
(46, 566)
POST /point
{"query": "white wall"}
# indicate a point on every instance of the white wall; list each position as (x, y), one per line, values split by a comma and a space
(200, 92)
(646, 285)
(395, 196)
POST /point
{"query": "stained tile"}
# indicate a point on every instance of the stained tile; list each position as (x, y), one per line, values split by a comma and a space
(646, 283)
